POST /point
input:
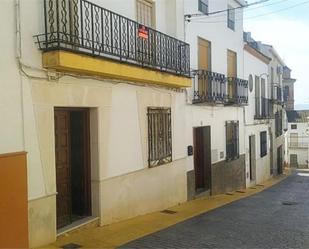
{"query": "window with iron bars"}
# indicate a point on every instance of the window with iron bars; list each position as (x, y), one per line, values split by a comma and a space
(159, 136)
(203, 6)
(232, 140)
(263, 143)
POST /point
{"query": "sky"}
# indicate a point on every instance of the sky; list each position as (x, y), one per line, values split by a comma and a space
(288, 32)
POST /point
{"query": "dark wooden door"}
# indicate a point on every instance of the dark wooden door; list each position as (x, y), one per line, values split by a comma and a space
(202, 158)
(63, 170)
(80, 164)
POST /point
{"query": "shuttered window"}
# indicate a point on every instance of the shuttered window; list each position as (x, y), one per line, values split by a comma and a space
(232, 140)
(257, 97)
(146, 13)
(263, 139)
(159, 136)
(231, 17)
(278, 123)
(203, 6)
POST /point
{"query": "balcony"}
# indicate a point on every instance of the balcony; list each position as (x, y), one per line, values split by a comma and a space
(83, 37)
(237, 91)
(298, 142)
(215, 88)
(298, 145)
(263, 108)
(277, 94)
(209, 87)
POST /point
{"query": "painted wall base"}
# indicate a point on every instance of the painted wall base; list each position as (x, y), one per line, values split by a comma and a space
(228, 176)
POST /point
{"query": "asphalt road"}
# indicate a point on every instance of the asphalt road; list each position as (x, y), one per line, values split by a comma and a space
(260, 221)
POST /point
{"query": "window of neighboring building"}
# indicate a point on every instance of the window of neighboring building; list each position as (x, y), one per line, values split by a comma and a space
(203, 6)
(278, 123)
(231, 17)
(250, 82)
(232, 140)
(231, 73)
(294, 126)
(263, 137)
(146, 13)
(286, 93)
(257, 97)
(159, 136)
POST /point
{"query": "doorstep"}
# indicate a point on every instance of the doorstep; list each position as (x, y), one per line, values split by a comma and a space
(82, 223)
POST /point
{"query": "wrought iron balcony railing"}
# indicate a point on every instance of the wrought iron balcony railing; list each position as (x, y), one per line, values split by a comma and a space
(299, 145)
(264, 108)
(277, 94)
(211, 87)
(83, 27)
(237, 91)
(208, 87)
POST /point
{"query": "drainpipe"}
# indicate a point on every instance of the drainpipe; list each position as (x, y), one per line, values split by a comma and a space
(18, 60)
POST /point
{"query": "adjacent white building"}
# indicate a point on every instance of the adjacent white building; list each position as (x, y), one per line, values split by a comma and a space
(258, 114)
(214, 111)
(297, 139)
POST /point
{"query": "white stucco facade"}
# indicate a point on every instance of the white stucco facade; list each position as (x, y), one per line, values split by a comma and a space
(255, 67)
(297, 144)
(123, 185)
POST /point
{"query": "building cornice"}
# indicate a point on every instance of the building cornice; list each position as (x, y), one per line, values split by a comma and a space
(257, 54)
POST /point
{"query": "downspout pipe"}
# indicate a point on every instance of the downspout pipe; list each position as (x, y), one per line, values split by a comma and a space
(18, 56)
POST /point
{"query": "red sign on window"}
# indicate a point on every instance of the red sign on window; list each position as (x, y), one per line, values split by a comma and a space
(143, 31)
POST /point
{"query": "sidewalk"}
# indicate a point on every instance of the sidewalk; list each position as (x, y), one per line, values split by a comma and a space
(120, 233)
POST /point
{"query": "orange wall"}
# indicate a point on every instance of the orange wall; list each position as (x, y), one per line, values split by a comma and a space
(13, 201)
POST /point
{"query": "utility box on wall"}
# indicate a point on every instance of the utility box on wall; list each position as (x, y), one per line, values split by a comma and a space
(14, 201)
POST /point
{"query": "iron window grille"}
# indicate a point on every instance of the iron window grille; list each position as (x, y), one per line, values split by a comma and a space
(263, 143)
(232, 140)
(203, 6)
(231, 17)
(83, 27)
(159, 136)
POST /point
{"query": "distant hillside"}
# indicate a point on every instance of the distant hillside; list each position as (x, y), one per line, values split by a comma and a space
(302, 107)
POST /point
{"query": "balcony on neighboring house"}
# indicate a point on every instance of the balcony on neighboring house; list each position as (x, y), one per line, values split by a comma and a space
(277, 94)
(85, 38)
(265, 110)
(298, 145)
(208, 87)
(298, 142)
(215, 88)
(237, 91)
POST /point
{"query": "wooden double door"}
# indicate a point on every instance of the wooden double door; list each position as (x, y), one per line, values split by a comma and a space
(202, 158)
(73, 179)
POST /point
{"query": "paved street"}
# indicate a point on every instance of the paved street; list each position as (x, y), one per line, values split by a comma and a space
(259, 221)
